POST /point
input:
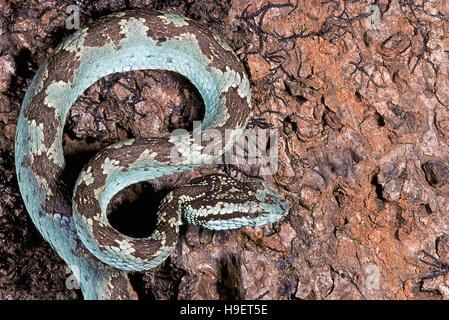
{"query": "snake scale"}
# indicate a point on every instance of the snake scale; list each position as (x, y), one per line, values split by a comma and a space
(76, 225)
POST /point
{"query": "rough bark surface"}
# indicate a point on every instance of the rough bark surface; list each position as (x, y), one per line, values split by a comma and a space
(362, 111)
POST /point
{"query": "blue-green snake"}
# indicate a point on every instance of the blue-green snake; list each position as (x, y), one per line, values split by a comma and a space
(76, 226)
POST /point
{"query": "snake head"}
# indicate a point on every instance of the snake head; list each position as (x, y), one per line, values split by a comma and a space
(223, 202)
(269, 207)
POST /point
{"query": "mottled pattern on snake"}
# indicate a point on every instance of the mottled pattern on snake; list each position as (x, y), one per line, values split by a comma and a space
(77, 226)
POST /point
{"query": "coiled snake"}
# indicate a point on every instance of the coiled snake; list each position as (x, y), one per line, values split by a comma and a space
(76, 226)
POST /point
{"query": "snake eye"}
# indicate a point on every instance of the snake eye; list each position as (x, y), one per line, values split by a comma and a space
(255, 212)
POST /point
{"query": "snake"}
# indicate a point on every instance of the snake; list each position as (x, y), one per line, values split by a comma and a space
(74, 222)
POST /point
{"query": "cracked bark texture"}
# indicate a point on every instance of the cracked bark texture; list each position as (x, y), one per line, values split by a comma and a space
(363, 120)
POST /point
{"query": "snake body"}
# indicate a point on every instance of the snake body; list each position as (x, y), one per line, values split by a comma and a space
(76, 226)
